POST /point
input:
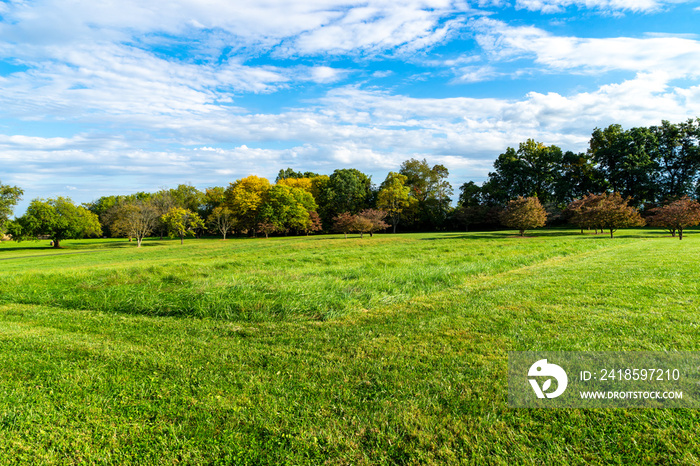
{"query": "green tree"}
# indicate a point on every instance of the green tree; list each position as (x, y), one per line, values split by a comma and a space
(58, 219)
(182, 222)
(579, 176)
(289, 173)
(394, 197)
(627, 161)
(163, 201)
(524, 213)
(429, 186)
(678, 157)
(474, 209)
(213, 197)
(9, 196)
(287, 208)
(188, 197)
(533, 170)
(347, 190)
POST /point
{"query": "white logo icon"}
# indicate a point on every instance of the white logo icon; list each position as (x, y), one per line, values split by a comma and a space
(543, 369)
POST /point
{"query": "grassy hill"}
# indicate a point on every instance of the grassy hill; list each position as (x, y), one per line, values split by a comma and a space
(321, 350)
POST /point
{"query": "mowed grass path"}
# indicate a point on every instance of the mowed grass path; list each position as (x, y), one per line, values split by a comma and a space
(402, 360)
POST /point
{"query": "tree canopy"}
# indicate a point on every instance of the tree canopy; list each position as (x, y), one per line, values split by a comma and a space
(9, 196)
(524, 213)
(57, 219)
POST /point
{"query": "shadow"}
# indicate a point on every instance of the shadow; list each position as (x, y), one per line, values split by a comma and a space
(29, 248)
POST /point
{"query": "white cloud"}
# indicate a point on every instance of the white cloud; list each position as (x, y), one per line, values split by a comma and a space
(635, 6)
(679, 57)
(300, 27)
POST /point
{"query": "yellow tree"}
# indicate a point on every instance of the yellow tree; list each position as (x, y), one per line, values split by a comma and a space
(302, 183)
(394, 197)
(245, 198)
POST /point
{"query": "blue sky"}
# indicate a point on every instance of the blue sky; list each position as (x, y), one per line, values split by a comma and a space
(113, 97)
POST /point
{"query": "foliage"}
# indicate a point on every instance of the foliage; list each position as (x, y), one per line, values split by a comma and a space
(429, 186)
(222, 219)
(246, 198)
(344, 223)
(533, 170)
(627, 161)
(677, 216)
(394, 197)
(370, 220)
(605, 211)
(678, 157)
(347, 190)
(314, 223)
(9, 196)
(290, 174)
(182, 222)
(302, 183)
(583, 212)
(524, 213)
(136, 219)
(267, 228)
(188, 197)
(213, 197)
(58, 219)
(287, 208)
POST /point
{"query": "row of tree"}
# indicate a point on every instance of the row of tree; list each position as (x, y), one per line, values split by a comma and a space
(607, 211)
(647, 164)
(648, 167)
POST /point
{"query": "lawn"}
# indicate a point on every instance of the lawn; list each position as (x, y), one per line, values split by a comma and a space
(321, 350)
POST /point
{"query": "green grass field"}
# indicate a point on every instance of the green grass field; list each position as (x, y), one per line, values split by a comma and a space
(321, 350)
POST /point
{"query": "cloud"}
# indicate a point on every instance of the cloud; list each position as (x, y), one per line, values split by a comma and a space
(634, 6)
(294, 28)
(679, 57)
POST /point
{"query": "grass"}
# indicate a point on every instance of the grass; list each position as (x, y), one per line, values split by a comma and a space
(320, 350)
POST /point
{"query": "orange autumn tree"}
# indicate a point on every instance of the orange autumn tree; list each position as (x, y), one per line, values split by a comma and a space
(524, 213)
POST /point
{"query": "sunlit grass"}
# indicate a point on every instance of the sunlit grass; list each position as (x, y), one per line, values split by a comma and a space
(410, 368)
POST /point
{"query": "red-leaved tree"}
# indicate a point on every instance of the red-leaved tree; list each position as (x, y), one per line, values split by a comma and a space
(677, 216)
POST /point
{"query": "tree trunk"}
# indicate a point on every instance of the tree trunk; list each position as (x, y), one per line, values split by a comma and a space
(346, 234)
(394, 227)
(182, 239)
(56, 243)
(371, 234)
(611, 232)
(138, 241)
(522, 232)
(680, 233)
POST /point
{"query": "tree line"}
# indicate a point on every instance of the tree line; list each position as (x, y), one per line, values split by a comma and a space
(646, 169)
